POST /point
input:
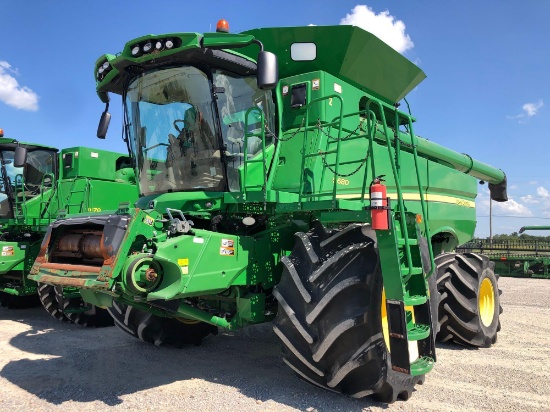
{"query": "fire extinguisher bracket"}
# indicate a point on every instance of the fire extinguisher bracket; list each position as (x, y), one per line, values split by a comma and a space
(387, 208)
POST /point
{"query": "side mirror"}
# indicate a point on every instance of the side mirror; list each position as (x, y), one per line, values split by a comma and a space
(20, 156)
(268, 70)
(103, 124)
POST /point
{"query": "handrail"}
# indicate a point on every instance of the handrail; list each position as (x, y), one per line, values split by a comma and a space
(400, 203)
(247, 161)
(41, 212)
(19, 182)
(422, 197)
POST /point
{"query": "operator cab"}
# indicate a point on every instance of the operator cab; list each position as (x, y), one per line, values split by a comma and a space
(187, 126)
(21, 182)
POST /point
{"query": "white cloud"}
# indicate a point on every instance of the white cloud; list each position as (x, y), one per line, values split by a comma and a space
(529, 110)
(13, 94)
(529, 199)
(542, 192)
(511, 207)
(383, 25)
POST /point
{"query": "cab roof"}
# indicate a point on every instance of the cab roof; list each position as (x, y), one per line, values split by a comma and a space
(6, 143)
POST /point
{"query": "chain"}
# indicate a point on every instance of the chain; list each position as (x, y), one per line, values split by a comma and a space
(340, 174)
(280, 139)
(352, 133)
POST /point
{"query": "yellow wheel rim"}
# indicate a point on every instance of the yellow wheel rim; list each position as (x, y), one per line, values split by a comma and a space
(188, 321)
(486, 302)
(384, 316)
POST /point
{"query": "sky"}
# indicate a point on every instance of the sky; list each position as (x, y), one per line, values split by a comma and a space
(487, 91)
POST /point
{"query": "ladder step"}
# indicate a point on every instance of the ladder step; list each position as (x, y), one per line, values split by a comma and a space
(415, 271)
(422, 365)
(415, 300)
(412, 242)
(416, 331)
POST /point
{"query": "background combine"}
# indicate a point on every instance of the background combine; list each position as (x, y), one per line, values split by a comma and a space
(38, 183)
(279, 181)
(519, 257)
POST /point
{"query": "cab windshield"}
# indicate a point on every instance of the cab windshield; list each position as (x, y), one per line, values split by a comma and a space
(25, 182)
(173, 120)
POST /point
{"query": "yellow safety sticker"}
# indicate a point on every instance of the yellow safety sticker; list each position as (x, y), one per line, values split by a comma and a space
(227, 243)
(227, 251)
(149, 220)
(183, 262)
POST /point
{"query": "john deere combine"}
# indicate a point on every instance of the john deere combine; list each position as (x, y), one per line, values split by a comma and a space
(279, 181)
(36, 185)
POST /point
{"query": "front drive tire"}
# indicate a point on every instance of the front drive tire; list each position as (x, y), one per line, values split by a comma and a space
(329, 318)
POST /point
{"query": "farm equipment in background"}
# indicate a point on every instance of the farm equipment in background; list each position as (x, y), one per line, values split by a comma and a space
(260, 173)
(517, 257)
(36, 184)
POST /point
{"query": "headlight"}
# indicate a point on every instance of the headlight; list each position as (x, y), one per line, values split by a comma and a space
(105, 66)
(100, 70)
(147, 47)
(136, 50)
(158, 45)
(169, 44)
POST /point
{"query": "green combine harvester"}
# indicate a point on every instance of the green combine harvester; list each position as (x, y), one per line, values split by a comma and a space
(280, 182)
(515, 258)
(36, 184)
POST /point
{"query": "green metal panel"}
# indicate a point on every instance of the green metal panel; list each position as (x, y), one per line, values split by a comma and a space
(92, 163)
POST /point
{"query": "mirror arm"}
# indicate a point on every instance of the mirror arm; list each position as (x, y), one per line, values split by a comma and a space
(259, 43)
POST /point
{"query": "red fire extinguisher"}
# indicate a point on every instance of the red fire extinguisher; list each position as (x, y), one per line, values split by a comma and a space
(378, 204)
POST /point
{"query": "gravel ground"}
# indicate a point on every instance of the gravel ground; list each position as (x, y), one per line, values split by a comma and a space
(51, 366)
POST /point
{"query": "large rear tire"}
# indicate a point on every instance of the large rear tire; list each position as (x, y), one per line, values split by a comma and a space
(19, 302)
(329, 318)
(158, 330)
(469, 299)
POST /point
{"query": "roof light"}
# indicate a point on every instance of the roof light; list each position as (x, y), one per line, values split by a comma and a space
(136, 50)
(105, 65)
(169, 44)
(1, 132)
(147, 47)
(158, 45)
(100, 70)
(222, 26)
